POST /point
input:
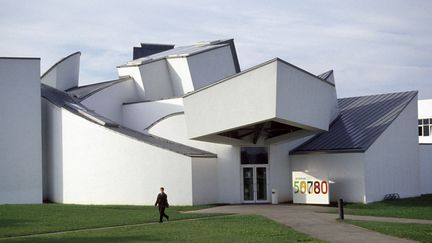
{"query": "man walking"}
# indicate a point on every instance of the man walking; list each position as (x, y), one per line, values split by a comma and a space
(162, 202)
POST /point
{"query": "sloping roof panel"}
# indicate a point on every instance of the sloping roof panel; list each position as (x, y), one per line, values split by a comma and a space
(175, 52)
(361, 121)
(83, 92)
(62, 99)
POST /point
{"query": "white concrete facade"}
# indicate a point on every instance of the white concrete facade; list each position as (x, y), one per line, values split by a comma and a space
(20, 131)
(392, 162)
(185, 118)
(111, 167)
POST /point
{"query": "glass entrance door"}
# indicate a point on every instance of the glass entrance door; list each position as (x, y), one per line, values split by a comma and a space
(254, 178)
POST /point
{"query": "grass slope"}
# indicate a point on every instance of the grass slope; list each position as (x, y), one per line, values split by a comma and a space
(417, 232)
(416, 208)
(30, 219)
(220, 229)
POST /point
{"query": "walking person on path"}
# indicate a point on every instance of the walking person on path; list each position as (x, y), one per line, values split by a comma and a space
(162, 203)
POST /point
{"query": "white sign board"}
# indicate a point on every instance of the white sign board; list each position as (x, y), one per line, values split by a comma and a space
(310, 189)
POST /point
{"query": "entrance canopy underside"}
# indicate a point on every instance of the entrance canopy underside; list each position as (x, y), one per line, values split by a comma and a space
(266, 104)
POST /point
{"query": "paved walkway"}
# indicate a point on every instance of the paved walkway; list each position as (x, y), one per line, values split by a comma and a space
(311, 220)
(383, 219)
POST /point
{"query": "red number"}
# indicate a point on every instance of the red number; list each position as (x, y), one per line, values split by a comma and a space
(317, 187)
(324, 189)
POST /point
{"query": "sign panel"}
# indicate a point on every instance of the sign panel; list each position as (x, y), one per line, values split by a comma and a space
(310, 189)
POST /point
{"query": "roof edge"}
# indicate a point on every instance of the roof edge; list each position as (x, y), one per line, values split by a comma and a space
(327, 151)
(276, 59)
(113, 82)
(163, 118)
(60, 61)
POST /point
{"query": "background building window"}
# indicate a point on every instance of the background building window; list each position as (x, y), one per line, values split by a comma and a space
(425, 127)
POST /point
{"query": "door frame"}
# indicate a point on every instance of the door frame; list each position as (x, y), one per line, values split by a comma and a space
(254, 166)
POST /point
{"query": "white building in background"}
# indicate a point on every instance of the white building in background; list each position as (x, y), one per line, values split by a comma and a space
(188, 119)
(425, 139)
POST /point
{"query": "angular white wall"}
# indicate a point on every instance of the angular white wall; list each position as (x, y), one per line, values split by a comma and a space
(346, 170)
(210, 66)
(20, 131)
(274, 91)
(392, 162)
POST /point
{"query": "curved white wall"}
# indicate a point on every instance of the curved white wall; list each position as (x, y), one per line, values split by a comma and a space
(139, 116)
(109, 101)
(64, 74)
(96, 165)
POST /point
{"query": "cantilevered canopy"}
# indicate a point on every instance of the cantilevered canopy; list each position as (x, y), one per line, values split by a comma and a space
(269, 103)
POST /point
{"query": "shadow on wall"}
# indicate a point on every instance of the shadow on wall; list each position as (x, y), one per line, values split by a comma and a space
(52, 152)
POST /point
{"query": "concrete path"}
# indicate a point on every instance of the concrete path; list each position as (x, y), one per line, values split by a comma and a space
(383, 219)
(311, 220)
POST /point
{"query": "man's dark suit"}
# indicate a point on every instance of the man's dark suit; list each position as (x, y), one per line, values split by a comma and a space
(162, 202)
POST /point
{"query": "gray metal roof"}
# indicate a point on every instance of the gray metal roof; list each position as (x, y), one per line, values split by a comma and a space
(361, 121)
(83, 92)
(62, 99)
(325, 75)
(176, 52)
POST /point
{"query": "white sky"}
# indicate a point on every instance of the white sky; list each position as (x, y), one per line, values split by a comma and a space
(373, 46)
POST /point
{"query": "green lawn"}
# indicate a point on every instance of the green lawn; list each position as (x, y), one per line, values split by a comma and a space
(219, 229)
(29, 219)
(16, 220)
(416, 208)
(418, 232)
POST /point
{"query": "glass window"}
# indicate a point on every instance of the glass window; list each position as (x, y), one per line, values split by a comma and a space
(420, 130)
(426, 121)
(420, 122)
(426, 131)
(254, 155)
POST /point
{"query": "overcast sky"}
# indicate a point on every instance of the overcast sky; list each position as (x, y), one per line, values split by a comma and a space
(373, 46)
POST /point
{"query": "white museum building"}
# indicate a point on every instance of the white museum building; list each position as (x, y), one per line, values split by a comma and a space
(187, 118)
